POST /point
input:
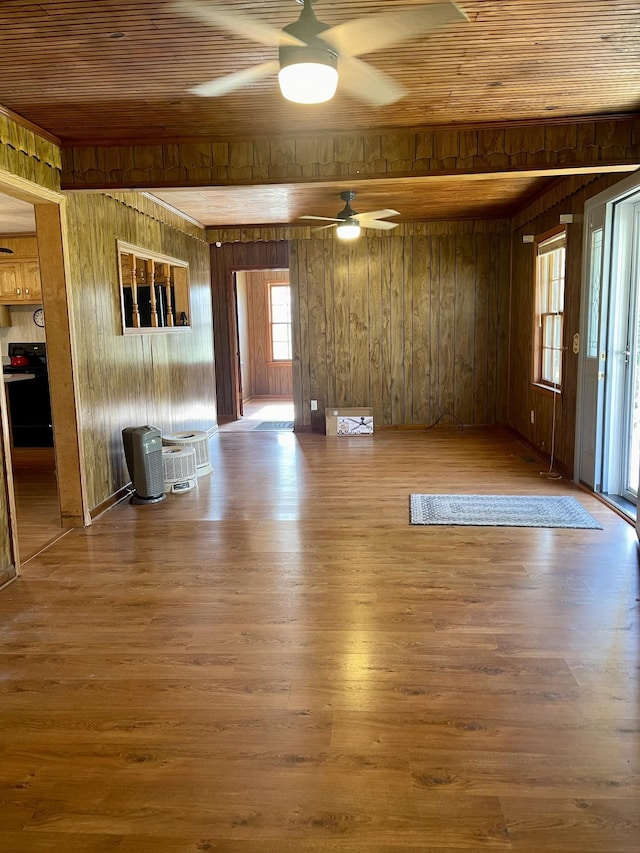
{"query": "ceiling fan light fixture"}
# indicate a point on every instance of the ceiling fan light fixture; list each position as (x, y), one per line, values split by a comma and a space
(308, 75)
(348, 230)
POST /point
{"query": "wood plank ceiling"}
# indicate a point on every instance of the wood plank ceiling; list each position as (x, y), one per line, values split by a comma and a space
(120, 72)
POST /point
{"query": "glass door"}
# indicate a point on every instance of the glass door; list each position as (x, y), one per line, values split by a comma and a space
(631, 422)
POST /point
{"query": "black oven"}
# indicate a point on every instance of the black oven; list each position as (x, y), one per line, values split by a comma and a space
(29, 402)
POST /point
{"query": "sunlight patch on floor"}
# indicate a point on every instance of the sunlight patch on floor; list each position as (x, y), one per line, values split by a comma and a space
(270, 412)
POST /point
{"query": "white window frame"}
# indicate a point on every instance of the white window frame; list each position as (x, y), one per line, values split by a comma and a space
(272, 285)
(549, 299)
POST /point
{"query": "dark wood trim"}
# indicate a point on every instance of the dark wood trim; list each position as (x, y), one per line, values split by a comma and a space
(108, 142)
(111, 501)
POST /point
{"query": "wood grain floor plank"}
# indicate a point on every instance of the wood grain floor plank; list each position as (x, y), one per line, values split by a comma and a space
(278, 661)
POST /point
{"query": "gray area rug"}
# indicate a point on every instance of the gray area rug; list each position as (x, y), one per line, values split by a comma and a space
(275, 426)
(500, 511)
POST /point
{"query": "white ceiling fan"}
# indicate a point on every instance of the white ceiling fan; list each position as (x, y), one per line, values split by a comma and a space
(348, 223)
(312, 54)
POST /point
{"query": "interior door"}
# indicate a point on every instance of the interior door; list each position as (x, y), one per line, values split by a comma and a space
(594, 354)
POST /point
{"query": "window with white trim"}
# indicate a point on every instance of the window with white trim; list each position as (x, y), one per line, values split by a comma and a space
(280, 320)
(549, 309)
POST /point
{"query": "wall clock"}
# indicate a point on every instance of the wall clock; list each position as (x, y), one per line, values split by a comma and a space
(38, 317)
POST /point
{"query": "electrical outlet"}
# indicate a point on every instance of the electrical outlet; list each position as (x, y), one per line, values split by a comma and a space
(314, 405)
(533, 417)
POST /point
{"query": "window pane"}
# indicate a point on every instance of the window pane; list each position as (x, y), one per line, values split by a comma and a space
(595, 283)
(280, 321)
(280, 332)
(280, 314)
(281, 351)
(549, 301)
(557, 366)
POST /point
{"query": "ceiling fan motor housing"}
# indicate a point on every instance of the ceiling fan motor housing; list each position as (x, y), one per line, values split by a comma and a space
(348, 212)
(307, 29)
(322, 55)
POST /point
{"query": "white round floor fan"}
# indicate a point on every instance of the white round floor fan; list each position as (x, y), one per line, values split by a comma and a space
(179, 468)
(197, 439)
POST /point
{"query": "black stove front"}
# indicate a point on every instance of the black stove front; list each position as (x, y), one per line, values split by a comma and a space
(29, 403)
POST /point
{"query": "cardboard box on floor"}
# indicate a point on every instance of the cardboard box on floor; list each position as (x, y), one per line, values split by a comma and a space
(346, 422)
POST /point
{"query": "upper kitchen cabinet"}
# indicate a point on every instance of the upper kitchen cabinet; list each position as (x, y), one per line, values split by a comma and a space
(20, 271)
(20, 282)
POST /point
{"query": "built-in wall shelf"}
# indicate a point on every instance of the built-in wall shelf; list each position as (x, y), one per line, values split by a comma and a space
(154, 292)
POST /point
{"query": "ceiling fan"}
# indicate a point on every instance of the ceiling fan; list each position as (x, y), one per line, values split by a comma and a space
(311, 53)
(348, 223)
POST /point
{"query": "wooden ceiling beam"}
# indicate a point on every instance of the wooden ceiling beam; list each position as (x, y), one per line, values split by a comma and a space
(556, 148)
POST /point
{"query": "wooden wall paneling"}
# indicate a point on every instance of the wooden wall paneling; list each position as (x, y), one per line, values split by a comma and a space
(482, 344)
(421, 294)
(130, 380)
(465, 326)
(421, 331)
(520, 336)
(503, 259)
(328, 297)
(304, 289)
(493, 286)
(447, 326)
(358, 329)
(435, 332)
(220, 275)
(397, 331)
(409, 288)
(376, 372)
(257, 307)
(297, 282)
(317, 319)
(342, 356)
(573, 294)
(386, 329)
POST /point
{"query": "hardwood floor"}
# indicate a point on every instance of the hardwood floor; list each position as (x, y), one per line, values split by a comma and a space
(256, 410)
(36, 493)
(278, 662)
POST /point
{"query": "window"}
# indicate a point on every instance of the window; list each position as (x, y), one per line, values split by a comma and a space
(549, 309)
(279, 294)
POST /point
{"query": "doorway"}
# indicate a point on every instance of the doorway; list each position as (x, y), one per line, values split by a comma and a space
(29, 448)
(262, 342)
(608, 440)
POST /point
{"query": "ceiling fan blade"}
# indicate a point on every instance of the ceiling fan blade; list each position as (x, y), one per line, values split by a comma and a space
(322, 228)
(364, 35)
(376, 214)
(322, 218)
(368, 83)
(378, 224)
(223, 85)
(236, 22)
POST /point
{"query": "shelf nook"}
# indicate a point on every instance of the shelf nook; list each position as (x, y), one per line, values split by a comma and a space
(154, 291)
